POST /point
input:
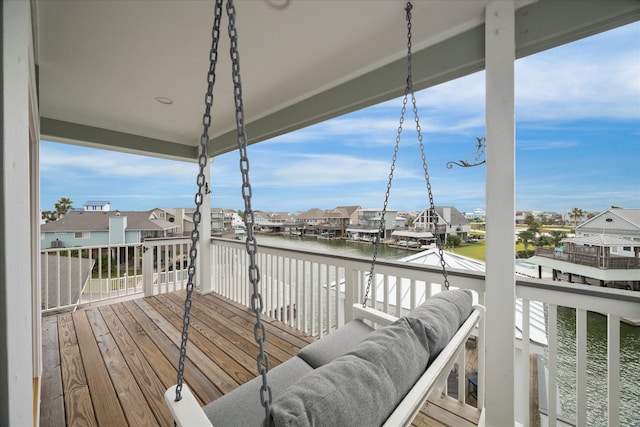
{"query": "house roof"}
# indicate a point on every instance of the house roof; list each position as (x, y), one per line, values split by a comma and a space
(94, 86)
(313, 213)
(99, 221)
(431, 257)
(456, 217)
(603, 240)
(632, 216)
(96, 202)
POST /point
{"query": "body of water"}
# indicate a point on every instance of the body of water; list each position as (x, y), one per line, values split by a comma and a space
(596, 341)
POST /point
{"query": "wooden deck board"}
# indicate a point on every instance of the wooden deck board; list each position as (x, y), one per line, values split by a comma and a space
(52, 375)
(77, 399)
(107, 406)
(141, 371)
(110, 365)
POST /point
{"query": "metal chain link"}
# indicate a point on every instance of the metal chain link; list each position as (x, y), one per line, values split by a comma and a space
(197, 215)
(407, 91)
(259, 330)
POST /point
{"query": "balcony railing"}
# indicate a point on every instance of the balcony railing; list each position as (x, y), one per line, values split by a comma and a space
(591, 260)
(74, 276)
(309, 291)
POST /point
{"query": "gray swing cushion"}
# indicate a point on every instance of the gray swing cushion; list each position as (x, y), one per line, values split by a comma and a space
(335, 344)
(360, 388)
(365, 385)
(436, 321)
(242, 408)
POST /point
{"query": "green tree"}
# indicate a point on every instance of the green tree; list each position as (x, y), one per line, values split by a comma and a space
(529, 219)
(62, 206)
(49, 216)
(526, 237)
(576, 214)
(557, 236)
(453, 241)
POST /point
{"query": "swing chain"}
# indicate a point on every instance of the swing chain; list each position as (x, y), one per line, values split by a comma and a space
(259, 330)
(432, 210)
(197, 215)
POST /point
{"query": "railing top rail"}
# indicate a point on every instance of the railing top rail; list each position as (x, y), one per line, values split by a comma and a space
(162, 239)
(579, 289)
(78, 248)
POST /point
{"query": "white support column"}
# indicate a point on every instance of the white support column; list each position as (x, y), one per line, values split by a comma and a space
(500, 266)
(204, 249)
(18, 407)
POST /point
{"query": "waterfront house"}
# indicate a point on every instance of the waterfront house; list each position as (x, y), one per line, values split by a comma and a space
(367, 226)
(605, 251)
(450, 223)
(103, 228)
(130, 76)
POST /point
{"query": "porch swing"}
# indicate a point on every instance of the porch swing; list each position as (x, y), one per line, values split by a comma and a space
(376, 369)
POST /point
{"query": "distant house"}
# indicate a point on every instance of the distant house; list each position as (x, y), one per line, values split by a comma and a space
(310, 218)
(478, 215)
(97, 205)
(272, 222)
(615, 222)
(604, 251)
(367, 224)
(87, 228)
(450, 222)
(181, 218)
(233, 219)
(336, 221)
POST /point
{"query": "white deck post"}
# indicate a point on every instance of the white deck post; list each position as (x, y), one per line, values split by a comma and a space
(500, 266)
(18, 356)
(204, 249)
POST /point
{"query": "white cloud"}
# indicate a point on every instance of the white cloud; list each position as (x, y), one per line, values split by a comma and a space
(105, 163)
(545, 144)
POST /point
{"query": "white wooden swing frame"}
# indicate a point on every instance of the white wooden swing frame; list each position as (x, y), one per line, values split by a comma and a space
(188, 413)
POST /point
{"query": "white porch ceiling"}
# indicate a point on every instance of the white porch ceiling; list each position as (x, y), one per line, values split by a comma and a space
(101, 64)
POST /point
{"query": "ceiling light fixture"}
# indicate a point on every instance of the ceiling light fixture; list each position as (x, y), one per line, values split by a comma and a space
(164, 100)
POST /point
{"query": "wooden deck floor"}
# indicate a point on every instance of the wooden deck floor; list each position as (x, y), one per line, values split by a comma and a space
(110, 365)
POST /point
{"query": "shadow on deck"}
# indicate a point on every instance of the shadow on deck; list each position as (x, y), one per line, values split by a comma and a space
(110, 365)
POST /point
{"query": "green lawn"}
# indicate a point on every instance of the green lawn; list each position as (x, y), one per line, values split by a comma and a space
(477, 250)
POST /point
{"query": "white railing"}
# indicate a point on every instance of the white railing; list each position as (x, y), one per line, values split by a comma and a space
(590, 374)
(74, 276)
(165, 265)
(309, 290)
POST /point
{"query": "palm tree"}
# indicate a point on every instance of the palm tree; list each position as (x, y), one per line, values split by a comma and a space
(576, 213)
(526, 236)
(62, 206)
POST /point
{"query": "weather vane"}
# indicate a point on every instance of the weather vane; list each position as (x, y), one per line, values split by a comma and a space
(477, 155)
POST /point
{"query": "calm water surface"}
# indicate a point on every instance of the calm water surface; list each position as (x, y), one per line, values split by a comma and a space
(596, 341)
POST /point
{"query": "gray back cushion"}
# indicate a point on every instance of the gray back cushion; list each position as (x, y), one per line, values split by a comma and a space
(360, 388)
(335, 344)
(436, 320)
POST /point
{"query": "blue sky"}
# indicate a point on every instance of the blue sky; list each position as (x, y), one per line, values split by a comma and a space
(577, 145)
